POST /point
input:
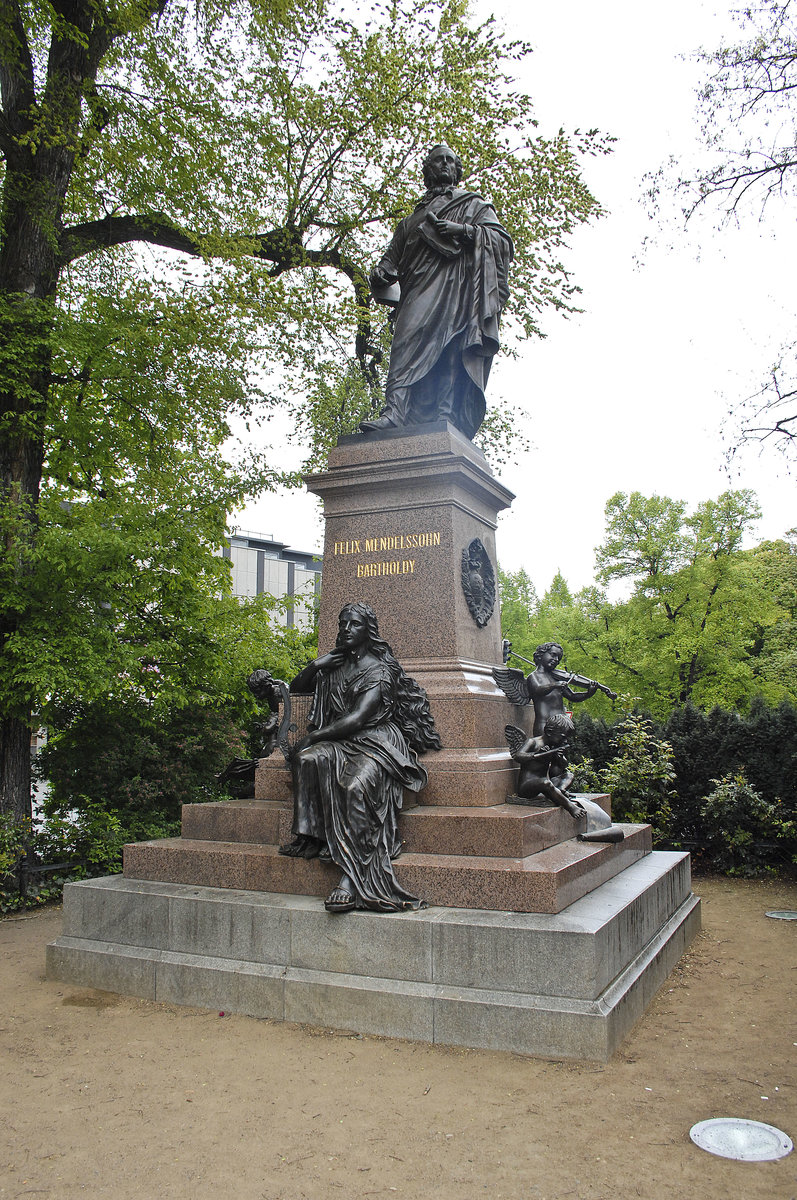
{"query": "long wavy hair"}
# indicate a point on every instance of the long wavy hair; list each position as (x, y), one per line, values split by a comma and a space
(411, 710)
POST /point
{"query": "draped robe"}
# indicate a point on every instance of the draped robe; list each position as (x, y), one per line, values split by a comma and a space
(348, 791)
(446, 326)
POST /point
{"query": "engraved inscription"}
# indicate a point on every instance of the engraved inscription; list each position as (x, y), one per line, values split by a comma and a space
(361, 546)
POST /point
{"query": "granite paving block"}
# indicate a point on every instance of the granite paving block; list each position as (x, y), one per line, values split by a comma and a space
(230, 925)
(114, 916)
(207, 982)
(128, 970)
(270, 871)
(502, 830)
(546, 882)
(234, 821)
(524, 1024)
(576, 953)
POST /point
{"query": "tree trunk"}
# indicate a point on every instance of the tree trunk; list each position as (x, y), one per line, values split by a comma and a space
(15, 768)
(38, 171)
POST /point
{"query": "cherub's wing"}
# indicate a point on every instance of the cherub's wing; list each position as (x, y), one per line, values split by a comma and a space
(512, 683)
(515, 739)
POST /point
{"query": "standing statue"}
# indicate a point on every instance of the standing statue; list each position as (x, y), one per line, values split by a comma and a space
(450, 259)
(546, 687)
(368, 722)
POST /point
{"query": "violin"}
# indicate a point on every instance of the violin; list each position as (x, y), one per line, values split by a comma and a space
(563, 676)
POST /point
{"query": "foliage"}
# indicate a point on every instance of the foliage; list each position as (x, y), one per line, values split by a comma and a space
(90, 842)
(705, 622)
(638, 776)
(14, 837)
(133, 762)
(746, 834)
(761, 745)
(143, 756)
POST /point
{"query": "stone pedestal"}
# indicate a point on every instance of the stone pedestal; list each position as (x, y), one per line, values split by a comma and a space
(400, 508)
(533, 941)
(567, 986)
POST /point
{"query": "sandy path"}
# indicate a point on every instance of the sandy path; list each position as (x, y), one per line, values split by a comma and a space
(105, 1096)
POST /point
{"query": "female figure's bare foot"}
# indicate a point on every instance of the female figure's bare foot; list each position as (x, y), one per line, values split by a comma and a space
(341, 899)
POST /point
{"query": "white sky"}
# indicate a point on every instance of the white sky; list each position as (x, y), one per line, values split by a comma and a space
(632, 393)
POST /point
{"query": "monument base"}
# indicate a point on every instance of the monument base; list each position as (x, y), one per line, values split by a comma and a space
(564, 986)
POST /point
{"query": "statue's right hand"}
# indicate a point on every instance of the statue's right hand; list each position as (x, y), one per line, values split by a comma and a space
(326, 661)
(383, 277)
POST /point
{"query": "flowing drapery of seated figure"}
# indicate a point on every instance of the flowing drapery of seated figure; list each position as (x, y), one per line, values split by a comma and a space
(368, 723)
(450, 259)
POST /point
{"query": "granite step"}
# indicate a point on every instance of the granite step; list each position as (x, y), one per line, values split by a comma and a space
(545, 882)
(503, 830)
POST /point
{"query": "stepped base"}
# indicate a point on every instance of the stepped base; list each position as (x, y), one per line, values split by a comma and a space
(566, 986)
(542, 882)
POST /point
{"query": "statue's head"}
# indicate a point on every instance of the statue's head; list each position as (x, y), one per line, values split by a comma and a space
(441, 165)
(357, 626)
(262, 686)
(547, 648)
(557, 729)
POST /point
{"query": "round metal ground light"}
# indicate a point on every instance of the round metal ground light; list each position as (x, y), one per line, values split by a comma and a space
(746, 1141)
(782, 914)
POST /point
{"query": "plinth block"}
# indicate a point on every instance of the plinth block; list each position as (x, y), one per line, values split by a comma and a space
(566, 986)
(399, 511)
(503, 830)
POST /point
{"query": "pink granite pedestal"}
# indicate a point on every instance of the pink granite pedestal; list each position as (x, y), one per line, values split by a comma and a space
(400, 509)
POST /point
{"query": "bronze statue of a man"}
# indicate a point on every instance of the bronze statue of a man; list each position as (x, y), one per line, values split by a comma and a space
(450, 259)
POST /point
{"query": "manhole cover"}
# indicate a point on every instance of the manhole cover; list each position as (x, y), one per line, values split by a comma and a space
(747, 1141)
(782, 914)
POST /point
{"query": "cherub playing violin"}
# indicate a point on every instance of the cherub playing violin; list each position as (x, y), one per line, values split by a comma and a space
(546, 687)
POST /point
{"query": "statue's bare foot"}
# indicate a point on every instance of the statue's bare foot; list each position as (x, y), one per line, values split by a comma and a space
(577, 811)
(340, 900)
(383, 422)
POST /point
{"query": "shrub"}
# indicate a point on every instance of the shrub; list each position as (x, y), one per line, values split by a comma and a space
(746, 834)
(638, 776)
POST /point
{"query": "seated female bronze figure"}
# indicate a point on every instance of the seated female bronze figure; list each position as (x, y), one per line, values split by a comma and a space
(368, 723)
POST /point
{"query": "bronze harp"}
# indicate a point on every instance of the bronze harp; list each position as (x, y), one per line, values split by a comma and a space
(296, 709)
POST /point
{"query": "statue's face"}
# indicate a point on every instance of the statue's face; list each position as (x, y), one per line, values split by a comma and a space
(352, 630)
(549, 659)
(442, 166)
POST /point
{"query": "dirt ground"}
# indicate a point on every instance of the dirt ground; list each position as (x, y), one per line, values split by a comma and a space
(106, 1096)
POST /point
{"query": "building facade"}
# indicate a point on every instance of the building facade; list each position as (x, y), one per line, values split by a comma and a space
(261, 564)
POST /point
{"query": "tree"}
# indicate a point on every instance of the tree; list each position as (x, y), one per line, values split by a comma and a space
(263, 147)
(703, 621)
(748, 162)
(699, 603)
(746, 106)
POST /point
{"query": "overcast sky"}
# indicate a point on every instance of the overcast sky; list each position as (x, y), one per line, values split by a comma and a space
(632, 393)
